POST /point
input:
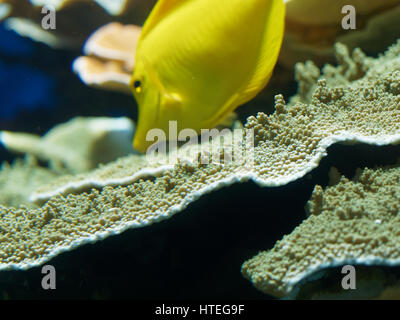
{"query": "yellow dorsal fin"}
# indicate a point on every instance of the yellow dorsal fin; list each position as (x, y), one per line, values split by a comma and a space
(162, 9)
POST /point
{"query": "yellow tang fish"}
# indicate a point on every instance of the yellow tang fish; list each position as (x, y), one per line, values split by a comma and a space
(198, 60)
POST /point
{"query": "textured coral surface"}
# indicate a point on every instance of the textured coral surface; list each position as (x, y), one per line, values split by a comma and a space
(352, 222)
(358, 101)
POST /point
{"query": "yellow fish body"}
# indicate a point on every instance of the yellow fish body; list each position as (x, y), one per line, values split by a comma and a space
(198, 60)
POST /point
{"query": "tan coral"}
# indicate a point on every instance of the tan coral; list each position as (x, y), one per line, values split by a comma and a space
(66, 222)
(110, 57)
(109, 75)
(358, 102)
(80, 144)
(354, 222)
(312, 27)
(105, 45)
(19, 180)
(72, 29)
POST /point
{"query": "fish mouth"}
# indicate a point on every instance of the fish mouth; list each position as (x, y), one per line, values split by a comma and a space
(147, 122)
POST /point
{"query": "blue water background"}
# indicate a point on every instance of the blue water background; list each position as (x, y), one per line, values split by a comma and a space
(22, 87)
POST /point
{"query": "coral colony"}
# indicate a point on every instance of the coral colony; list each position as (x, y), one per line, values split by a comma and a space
(95, 185)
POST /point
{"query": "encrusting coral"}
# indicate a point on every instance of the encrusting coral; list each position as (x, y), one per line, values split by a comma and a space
(24, 176)
(79, 145)
(358, 101)
(353, 222)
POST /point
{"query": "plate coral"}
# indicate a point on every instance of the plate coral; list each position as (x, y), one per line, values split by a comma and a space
(356, 102)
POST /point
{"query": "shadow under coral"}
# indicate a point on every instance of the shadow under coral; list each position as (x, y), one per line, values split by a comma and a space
(198, 253)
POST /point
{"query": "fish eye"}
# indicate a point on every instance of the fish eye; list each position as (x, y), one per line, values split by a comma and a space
(137, 84)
